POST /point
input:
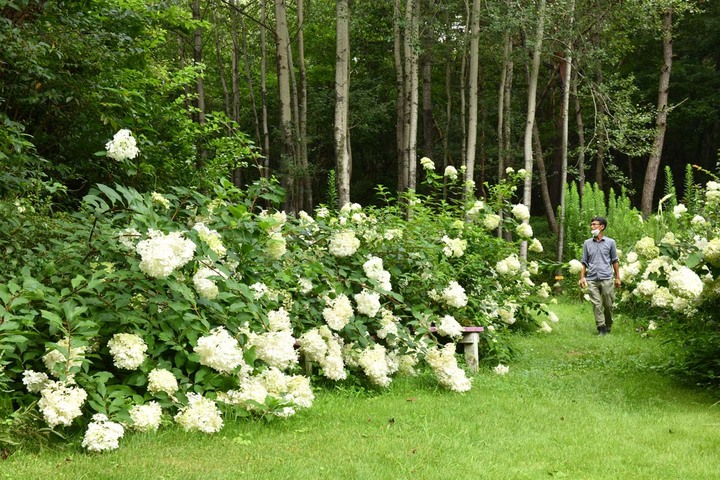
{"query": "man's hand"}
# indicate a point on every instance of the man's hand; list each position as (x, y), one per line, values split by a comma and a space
(617, 283)
(583, 282)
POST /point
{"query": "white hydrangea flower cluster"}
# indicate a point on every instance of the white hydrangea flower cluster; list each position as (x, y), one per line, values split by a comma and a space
(60, 403)
(521, 212)
(659, 266)
(123, 146)
(509, 266)
(491, 221)
(59, 363)
(553, 317)
(449, 327)
(251, 392)
(711, 252)
(712, 193)
(200, 414)
(629, 271)
(368, 303)
(205, 284)
(322, 346)
(477, 207)
(427, 164)
(524, 230)
(276, 245)
(451, 173)
(544, 290)
(160, 199)
(161, 254)
(128, 350)
(219, 350)
(277, 349)
(313, 345)
(212, 238)
(344, 243)
(444, 365)
(374, 362)
(34, 381)
(388, 326)
(146, 418)
(646, 248)
(574, 266)
(454, 247)
(338, 312)
(686, 283)
(545, 327)
(392, 234)
(293, 388)
(161, 380)
(679, 210)
(374, 270)
(102, 434)
(535, 246)
(662, 298)
(507, 313)
(698, 221)
(454, 295)
(646, 288)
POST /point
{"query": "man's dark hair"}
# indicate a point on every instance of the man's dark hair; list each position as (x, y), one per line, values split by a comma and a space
(600, 220)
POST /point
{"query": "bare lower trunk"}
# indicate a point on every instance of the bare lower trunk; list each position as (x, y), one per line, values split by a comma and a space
(263, 91)
(567, 79)
(580, 133)
(473, 98)
(661, 123)
(342, 90)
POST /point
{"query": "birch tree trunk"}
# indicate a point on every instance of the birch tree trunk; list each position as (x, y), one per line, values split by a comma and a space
(507, 46)
(282, 42)
(221, 64)
(473, 98)
(249, 80)
(662, 111)
(566, 77)
(411, 92)
(342, 91)
(532, 93)
(542, 176)
(428, 121)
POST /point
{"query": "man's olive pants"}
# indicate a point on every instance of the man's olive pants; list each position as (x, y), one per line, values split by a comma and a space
(602, 296)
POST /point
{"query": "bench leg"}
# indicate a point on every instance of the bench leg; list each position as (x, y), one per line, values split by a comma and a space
(470, 342)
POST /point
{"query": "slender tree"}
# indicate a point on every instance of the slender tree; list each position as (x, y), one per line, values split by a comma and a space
(473, 95)
(342, 97)
(662, 111)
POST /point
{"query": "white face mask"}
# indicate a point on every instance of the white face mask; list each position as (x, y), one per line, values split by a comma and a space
(595, 232)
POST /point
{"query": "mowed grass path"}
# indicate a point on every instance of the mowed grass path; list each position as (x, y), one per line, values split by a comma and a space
(573, 406)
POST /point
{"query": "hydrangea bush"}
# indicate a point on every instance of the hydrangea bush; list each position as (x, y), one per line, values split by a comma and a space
(184, 307)
(675, 279)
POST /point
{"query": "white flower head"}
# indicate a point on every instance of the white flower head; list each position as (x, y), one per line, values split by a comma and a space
(123, 146)
(102, 434)
(427, 164)
(128, 350)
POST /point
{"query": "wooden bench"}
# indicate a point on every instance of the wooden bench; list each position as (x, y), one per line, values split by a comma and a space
(469, 340)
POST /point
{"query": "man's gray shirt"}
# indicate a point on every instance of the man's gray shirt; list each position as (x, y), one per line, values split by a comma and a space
(598, 257)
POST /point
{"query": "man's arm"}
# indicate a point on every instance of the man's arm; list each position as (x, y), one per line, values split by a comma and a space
(616, 267)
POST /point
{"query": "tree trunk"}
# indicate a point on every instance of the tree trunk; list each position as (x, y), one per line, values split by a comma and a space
(542, 177)
(249, 80)
(307, 199)
(200, 88)
(532, 92)
(221, 64)
(601, 114)
(401, 106)
(473, 97)
(580, 133)
(507, 46)
(235, 68)
(263, 91)
(287, 150)
(427, 103)
(411, 93)
(566, 76)
(342, 91)
(661, 123)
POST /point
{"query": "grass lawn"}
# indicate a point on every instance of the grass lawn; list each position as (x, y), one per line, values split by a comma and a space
(573, 406)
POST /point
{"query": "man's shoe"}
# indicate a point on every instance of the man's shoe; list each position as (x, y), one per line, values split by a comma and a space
(602, 331)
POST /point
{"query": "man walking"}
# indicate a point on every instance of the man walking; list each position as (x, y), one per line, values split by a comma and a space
(599, 263)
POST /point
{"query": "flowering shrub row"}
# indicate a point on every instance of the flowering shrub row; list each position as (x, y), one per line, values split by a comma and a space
(184, 306)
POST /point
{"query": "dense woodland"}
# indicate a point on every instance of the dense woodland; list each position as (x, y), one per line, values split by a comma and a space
(601, 91)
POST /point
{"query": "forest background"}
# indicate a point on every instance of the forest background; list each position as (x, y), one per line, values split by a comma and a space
(363, 88)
